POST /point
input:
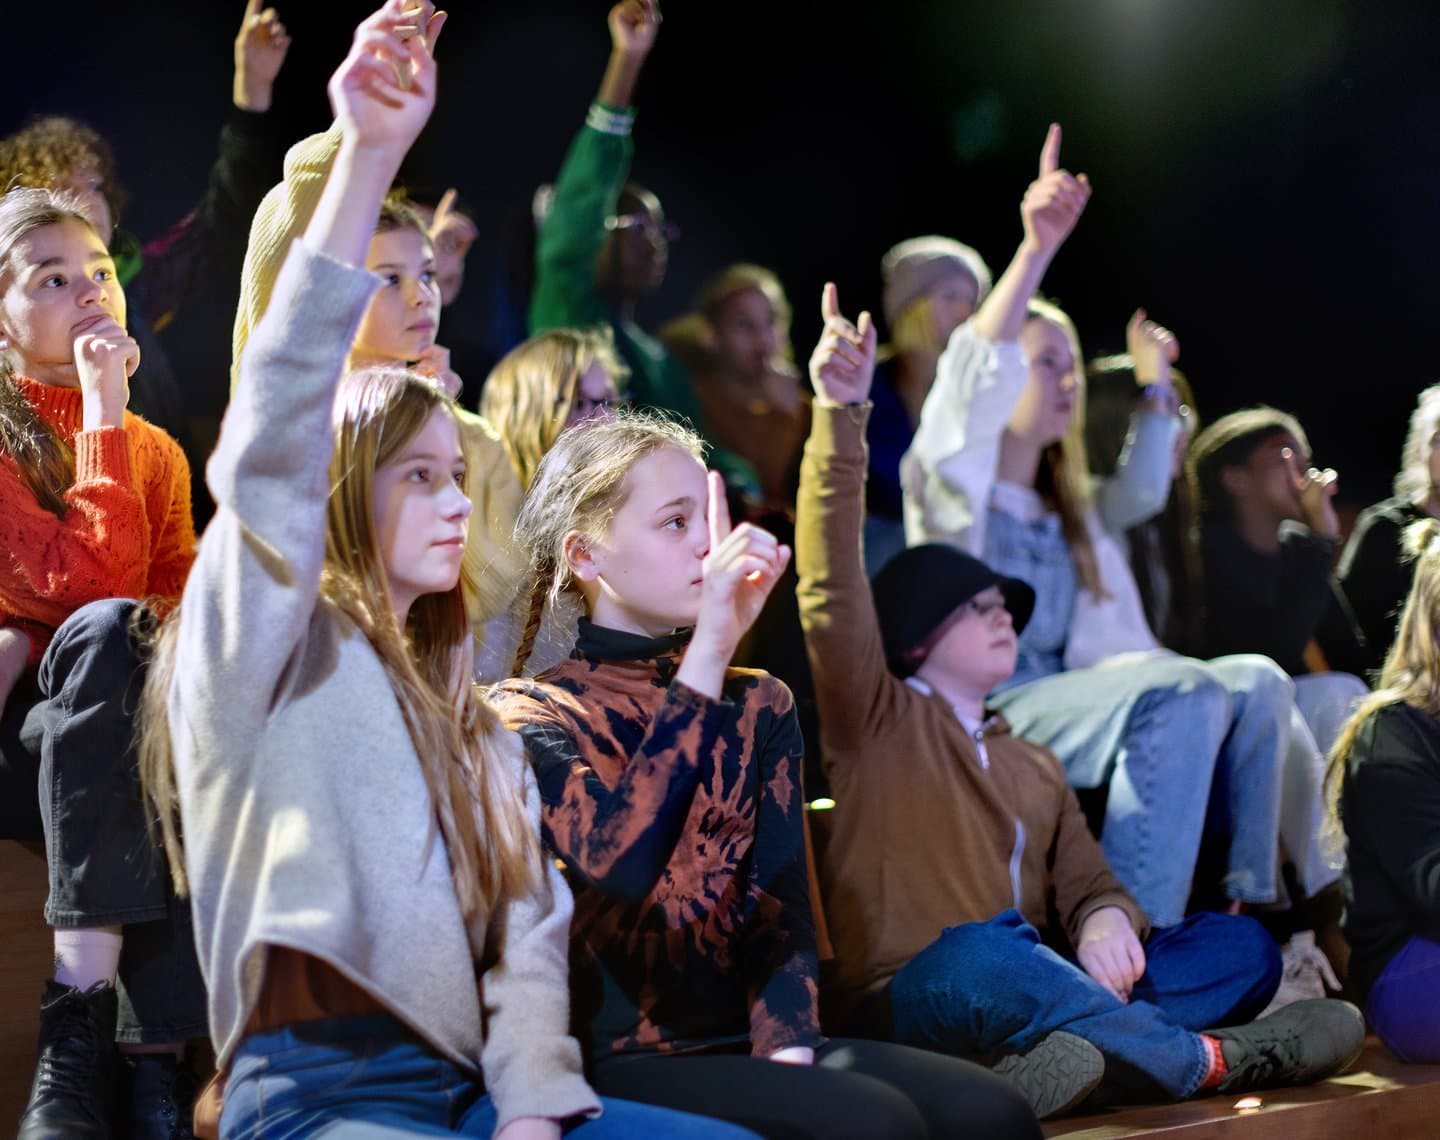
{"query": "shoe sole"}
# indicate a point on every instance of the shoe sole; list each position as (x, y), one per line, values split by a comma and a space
(1055, 1074)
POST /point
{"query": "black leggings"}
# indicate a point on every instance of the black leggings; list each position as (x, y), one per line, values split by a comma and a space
(865, 1090)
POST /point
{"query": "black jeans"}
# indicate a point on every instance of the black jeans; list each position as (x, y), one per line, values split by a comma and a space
(856, 1090)
(76, 750)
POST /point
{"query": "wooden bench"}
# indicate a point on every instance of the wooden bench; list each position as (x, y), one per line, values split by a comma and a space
(1378, 1099)
(26, 954)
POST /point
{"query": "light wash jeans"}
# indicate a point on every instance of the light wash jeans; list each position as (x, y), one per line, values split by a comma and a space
(993, 986)
(367, 1078)
(1178, 741)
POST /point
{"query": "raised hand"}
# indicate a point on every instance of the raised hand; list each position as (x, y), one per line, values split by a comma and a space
(1110, 952)
(1316, 490)
(384, 90)
(435, 363)
(739, 571)
(260, 48)
(106, 356)
(843, 363)
(1054, 202)
(634, 24)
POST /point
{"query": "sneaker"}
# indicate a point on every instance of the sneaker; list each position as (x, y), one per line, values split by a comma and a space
(75, 1072)
(1304, 1042)
(1055, 1074)
(1307, 973)
(162, 1096)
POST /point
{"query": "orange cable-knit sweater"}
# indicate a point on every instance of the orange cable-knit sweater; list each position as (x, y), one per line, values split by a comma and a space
(128, 532)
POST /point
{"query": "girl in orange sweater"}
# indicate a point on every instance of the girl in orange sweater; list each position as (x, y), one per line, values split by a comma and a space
(94, 508)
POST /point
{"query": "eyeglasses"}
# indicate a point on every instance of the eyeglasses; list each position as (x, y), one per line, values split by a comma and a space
(978, 608)
(643, 224)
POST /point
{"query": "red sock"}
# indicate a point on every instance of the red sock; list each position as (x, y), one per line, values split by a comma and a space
(1217, 1070)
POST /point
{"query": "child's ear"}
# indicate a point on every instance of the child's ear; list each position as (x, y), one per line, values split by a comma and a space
(580, 556)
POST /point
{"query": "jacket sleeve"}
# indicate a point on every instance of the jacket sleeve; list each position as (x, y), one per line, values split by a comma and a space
(777, 953)
(280, 218)
(586, 191)
(1140, 487)
(255, 584)
(177, 264)
(949, 471)
(617, 839)
(530, 1062)
(1392, 791)
(853, 684)
(1375, 579)
(1082, 879)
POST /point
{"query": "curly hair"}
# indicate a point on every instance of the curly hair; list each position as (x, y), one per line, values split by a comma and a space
(47, 150)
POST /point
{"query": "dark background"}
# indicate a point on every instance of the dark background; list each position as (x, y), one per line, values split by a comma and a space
(1265, 173)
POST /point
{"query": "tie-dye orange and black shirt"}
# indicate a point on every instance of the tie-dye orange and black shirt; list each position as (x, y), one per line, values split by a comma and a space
(678, 819)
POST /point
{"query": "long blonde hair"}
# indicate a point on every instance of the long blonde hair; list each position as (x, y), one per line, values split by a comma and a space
(579, 486)
(1064, 476)
(1411, 674)
(479, 808)
(529, 394)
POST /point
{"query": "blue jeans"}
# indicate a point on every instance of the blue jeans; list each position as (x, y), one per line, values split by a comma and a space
(368, 1078)
(988, 987)
(1164, 732)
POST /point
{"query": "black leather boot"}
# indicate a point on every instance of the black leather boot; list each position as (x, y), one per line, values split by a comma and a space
(71, 1096)
(162, 1096)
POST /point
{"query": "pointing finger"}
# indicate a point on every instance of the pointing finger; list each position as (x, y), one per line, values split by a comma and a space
(830, 302)
(717, 510)
(1050, 152)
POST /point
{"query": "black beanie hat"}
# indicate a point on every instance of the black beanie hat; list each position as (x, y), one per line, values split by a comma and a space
(921, 586)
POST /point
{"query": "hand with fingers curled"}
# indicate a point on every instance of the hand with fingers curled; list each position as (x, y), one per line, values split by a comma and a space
(106, 356)
(260, 49)
(634, 26)
(739, 571)
(843, 363)
(384, 90)
(1054, 202)
(435, 363)
(1316, 489)
(1110, 952)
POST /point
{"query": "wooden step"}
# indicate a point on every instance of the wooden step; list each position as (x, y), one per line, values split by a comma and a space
(26, 953)
(1380, 1098)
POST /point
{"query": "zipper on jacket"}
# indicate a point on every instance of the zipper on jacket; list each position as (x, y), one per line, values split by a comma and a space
(1015, 856)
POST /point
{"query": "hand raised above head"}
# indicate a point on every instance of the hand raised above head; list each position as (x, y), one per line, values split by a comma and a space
(260, 49)
(1152, 348)
(843, 363)
(634, 24)
(1054, 202)
(384, 90)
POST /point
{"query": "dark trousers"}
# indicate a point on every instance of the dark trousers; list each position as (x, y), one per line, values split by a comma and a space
(856, 1090)
(75, 762)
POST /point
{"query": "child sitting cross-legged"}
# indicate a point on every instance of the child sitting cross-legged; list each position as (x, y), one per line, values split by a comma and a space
(971, 909)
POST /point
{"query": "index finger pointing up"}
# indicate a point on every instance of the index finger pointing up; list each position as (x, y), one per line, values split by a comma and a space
(830, 301)
(717, 510)
(1050, 152)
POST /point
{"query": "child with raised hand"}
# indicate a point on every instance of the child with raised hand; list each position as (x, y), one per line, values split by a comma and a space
(671, 790)
(384, 942)
(399, 329)
(1012, 937)
(94, 505)
(998, 468)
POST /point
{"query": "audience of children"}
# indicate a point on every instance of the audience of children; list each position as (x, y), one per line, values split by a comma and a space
(671, 789)
(374, 538)
(934, 792)
(351, 989)
(998, 468)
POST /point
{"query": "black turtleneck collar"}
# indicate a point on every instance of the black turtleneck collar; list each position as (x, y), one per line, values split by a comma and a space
(601, 644)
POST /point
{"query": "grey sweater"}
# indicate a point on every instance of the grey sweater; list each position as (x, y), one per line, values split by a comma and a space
(306, 816)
